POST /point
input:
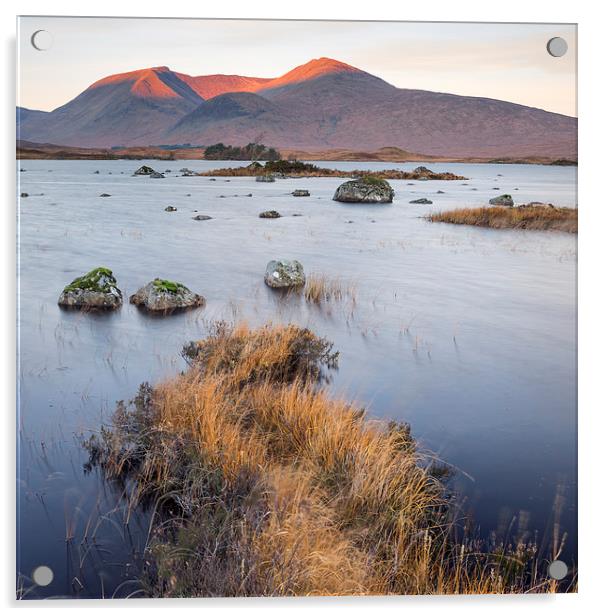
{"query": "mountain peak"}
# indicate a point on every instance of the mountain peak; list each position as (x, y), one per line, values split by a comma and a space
(318, 67)
(154, 82)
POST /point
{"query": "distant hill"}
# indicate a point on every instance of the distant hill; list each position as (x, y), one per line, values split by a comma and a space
(321, 105)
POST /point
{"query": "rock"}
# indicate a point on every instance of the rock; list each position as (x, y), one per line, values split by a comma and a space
(187, 172)
(440, 192)
(171, 208)
(167, 171)
(96, 290)
(97, 172)
(494, 188)
(300, 193)
(502, 200)
(423, 171)
(283, 274)
(144, 170)
(105, 195)
(270, 214)
(165, 296)
(156, 175)
(265, 178)
(201, 217)
(212, 180)
(365, 190)
(422, 201)
(24, 194)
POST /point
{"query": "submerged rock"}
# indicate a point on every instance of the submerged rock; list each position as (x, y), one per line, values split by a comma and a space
(105, 195)
(365, 190)
(284, 274)
(270, 214)
(156, 175)
(201, 217)
(144, 170)
(165, 296)
(300, 192)
(265, 178)
(96, 290)
(502, 200)
(422, 201)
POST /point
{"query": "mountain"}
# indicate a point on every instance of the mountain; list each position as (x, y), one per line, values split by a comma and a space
(28, 115)
(208, 86)
(323, 104)
(133, 107)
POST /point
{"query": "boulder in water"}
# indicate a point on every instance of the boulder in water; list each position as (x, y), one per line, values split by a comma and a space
(144, 170)
(284, 274)
(270, 214)
(502, 200)
(201, 217)
(96, 290)
(171, 208)
(365, 190)
(265, 178)
(300, 192)
(422, 201)
(165, 296)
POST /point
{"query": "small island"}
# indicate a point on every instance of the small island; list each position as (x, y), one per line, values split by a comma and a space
(536, 217)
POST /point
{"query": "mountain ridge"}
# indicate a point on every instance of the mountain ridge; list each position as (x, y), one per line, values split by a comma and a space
(321, 104)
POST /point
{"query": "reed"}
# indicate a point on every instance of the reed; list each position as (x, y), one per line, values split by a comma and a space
(321, 288)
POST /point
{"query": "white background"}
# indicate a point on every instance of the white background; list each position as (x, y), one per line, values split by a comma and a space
(590, 239)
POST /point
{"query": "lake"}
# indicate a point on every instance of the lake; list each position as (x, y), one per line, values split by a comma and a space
(468, 334)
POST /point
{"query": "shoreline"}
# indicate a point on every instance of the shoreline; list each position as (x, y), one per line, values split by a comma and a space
(46, 151)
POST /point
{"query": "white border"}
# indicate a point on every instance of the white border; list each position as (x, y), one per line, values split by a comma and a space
(590, 188)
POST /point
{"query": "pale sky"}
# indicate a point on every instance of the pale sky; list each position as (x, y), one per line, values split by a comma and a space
(504, 61)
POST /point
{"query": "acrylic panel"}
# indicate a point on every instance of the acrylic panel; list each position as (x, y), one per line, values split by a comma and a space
(297, 308)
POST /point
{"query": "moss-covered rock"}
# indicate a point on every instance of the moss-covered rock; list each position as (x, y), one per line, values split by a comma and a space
(144, 170)
(506, 200)
(367, 189)
(270, 214)
(166, 296)
(96, 290)
(284, 274)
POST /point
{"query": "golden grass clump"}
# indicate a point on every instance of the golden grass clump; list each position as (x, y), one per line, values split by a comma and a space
(265, 485)
(321, 288)
(536, 218)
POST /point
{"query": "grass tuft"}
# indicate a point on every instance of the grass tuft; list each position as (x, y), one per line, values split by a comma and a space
(536, 218)
(264, 485)
(319, 288)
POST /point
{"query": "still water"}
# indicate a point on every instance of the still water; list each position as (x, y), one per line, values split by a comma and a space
(468, 334)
